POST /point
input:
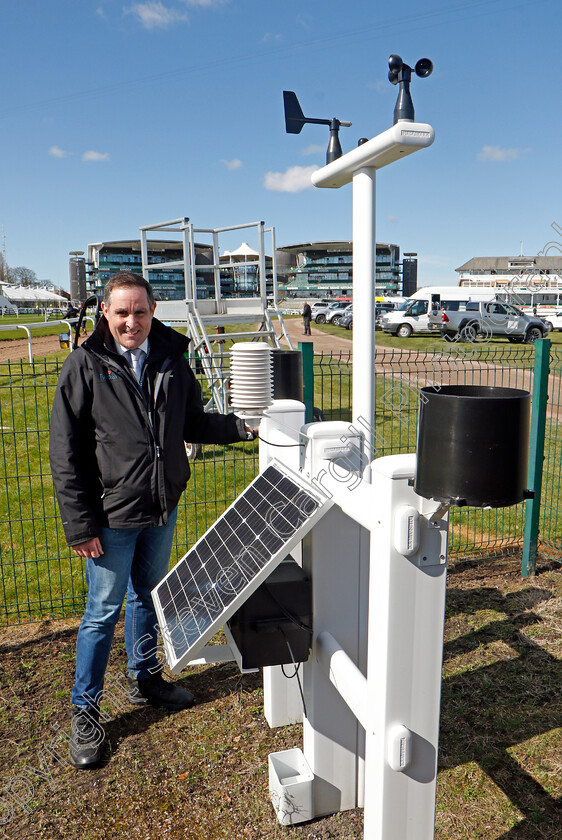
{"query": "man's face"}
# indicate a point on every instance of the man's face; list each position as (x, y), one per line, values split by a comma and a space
(129, 315)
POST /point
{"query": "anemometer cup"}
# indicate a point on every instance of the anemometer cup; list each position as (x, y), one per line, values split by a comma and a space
(400, 74)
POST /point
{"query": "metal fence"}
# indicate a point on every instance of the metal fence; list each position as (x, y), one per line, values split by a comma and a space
(41, 578)
(400, 373)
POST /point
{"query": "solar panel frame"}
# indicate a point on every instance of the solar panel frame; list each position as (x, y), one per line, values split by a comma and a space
(234, 556)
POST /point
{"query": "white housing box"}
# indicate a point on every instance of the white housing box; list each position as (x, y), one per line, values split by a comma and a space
(290, 786)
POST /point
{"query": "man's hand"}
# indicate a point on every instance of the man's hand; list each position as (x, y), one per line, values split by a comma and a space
(251, 433)
(91, 548)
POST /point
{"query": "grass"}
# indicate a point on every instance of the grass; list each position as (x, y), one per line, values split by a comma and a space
(501, 713)
(202, 774)
(9, 335)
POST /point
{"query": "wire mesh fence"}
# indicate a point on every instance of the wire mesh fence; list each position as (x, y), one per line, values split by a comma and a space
(399, 375)
(40, 577)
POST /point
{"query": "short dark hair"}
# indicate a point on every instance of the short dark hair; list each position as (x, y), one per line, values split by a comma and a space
(123, 279)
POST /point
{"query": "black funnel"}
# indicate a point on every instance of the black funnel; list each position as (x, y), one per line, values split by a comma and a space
(473, 444)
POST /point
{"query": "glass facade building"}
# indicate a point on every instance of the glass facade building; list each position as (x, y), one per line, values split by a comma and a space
(314, 269)
(238, 278)
(107, 258)
(325, 269)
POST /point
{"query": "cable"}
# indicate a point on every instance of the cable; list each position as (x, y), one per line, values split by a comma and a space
(296, 674)
(287, 614)
(281, 445)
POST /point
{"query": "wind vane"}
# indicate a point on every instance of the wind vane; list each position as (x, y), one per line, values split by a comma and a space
(295, 119)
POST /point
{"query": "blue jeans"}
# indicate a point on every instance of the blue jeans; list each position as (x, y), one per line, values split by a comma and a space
(133, 563)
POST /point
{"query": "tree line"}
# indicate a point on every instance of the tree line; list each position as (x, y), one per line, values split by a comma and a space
(19, 276)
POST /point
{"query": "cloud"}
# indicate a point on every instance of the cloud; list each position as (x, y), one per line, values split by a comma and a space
(56, 151)
(204, 2)
(313, 149)
(379, 85)
(95, 156)
(272, 36)
(295, 179)
(155, 15)
(235, 163)
(496, 153)
(392, 219)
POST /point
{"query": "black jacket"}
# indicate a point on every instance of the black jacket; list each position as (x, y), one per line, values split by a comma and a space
(117, 450)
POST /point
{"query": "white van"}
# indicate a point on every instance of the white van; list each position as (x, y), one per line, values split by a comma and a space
(421, 313)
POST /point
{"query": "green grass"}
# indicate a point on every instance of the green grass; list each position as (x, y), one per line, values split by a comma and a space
(49, 328)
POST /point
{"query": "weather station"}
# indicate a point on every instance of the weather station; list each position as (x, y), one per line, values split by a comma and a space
(334, 562)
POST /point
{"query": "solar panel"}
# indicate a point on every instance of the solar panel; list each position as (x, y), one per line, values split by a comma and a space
(233, 558)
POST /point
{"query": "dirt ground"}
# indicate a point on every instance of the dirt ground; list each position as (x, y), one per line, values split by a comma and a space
(202, 773)
(18, 348)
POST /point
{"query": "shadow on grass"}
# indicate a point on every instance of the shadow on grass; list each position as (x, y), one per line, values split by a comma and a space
(207, 685)
(488, 710)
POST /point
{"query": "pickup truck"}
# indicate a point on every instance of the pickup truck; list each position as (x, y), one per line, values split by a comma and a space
(483, 319)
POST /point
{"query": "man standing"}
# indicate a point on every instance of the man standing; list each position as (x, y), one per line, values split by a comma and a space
(125, 404)
(307, 317)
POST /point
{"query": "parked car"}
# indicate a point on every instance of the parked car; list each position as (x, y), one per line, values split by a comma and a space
(321, 314)
(382, 309)
(346, 320)
(319, 304)
(492, 318)
(334, 316)
(422, 312)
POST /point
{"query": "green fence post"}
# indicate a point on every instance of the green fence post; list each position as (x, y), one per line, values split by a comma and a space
(307, 351)
(536, 456)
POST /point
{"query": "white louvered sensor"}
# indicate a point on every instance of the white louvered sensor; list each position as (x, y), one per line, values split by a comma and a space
(251, 378)
(407, 530)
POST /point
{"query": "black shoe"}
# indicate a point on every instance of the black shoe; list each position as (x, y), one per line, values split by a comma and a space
(133, 694)
(156, 691)
(87, 737)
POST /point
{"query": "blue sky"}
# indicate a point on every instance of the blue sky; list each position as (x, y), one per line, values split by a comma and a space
(116, 114)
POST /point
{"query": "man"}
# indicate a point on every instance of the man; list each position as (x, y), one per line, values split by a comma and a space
(125, 404)
(307, 317)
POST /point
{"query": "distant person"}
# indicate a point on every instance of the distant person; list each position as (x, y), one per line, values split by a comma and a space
(71, 311)
(307, 318)
(126, 403)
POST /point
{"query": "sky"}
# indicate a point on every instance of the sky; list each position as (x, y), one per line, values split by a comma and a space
(116, 114)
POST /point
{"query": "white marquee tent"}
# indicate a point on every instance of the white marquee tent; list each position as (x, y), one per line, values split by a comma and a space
(22, 295)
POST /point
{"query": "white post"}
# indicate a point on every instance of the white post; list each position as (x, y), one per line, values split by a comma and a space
(364, 252)
(216, 270)
(406, 617)
(262, 267)
(280, 427)
(186, 240)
